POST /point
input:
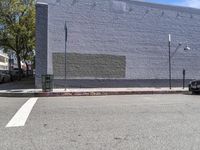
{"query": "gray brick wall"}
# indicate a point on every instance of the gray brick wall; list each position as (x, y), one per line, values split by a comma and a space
(41, 41)
(137, 30)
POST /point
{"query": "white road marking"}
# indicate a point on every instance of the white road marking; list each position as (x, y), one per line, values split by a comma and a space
(19, 119)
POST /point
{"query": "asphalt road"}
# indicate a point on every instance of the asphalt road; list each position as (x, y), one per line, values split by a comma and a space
(142, 122)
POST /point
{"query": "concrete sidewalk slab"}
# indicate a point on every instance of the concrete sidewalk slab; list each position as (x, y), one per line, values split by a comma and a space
(90, 92)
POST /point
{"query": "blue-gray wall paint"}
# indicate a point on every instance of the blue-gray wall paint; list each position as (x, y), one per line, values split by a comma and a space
(41, 41)
(138, 31)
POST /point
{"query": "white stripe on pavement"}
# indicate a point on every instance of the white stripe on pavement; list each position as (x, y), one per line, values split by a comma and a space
(19, 119)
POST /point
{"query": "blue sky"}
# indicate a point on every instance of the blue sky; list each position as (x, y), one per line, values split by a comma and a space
(187, 3)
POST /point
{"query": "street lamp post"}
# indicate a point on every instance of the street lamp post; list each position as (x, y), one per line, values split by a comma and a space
(170, 75)
(187, 48)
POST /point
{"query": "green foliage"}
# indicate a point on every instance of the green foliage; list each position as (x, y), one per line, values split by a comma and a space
(17, 27)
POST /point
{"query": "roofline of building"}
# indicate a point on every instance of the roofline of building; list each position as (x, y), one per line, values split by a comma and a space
(165, 6)
(153, 5)
(41, 3)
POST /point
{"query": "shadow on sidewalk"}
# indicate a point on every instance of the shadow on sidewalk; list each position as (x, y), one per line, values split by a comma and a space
(25, 83)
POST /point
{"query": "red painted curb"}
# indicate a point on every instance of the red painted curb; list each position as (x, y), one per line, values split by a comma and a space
(102, 93)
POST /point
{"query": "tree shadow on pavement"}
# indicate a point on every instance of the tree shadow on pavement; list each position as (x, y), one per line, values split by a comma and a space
(25, 83)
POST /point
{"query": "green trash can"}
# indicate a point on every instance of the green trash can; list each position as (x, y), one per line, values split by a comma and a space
(47, 83)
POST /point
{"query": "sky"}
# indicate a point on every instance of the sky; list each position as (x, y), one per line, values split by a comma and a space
(187, 3)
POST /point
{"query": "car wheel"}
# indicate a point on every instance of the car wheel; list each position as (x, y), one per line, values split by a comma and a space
(3, 80)
(195, 92)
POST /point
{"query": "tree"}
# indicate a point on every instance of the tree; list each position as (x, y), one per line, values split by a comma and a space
(28, 40)
(17, 31)
(28, 56)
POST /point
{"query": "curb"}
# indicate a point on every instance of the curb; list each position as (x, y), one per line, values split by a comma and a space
(97, 93)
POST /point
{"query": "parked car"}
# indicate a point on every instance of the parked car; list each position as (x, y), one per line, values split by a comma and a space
(4, 76)
(15, 73)
(194, 86)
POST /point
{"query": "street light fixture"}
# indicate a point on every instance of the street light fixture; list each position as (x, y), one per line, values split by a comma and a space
(187, 48)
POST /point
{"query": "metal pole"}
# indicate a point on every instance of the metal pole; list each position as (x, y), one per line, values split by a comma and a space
(65, 55)
(183, 78)
(170, 76)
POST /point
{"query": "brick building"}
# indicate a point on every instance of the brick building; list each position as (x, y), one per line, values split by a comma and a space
(116, 43)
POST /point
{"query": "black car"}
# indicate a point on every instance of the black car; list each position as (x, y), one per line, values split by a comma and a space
(194, 86)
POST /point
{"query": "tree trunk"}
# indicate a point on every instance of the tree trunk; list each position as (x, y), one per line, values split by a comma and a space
(27, 69)
(19, 67)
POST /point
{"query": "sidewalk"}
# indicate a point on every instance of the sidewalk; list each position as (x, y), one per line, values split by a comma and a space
(24, 83)
(25, 88)
(90, 92)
